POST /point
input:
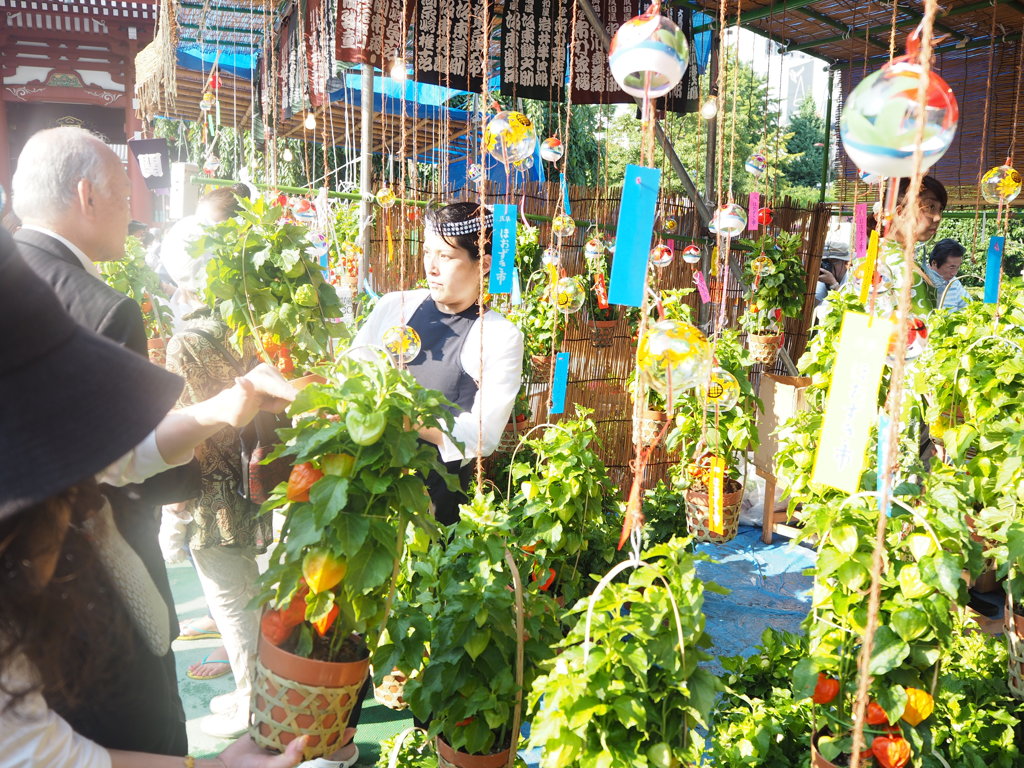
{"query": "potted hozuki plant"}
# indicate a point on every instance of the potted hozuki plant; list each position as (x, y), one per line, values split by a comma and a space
(357, 485)
(776, 284)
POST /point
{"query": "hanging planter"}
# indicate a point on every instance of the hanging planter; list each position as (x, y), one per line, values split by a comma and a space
(390, 691)
(1013, 628)
(512, 434)
(293, 695)
(698, 514)
(648, 426)
(764, 348)
(602, 333)
(452, 758)
(157, 349)
(541, 366)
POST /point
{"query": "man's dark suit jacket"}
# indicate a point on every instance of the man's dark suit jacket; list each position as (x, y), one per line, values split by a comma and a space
(143, 710)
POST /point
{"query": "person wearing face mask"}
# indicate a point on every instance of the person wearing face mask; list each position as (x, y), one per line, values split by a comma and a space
(943, 264)
(480, 377)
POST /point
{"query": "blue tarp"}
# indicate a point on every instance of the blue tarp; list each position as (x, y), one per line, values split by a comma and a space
(200, 58)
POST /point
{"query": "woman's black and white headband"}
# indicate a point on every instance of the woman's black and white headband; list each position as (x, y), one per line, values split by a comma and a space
(467, 227)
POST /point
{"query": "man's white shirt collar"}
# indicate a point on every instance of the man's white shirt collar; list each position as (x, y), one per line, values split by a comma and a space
(79, 253)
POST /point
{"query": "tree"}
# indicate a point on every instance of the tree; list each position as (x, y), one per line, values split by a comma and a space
(806, 146)
(583, 151)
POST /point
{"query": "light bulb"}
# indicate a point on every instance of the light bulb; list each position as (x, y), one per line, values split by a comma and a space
(709, 108)
(287, 155)
(310, 122)
(399, 72)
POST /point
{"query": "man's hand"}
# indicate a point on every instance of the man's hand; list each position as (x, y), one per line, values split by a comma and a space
(827, 278)
(245, 754)
(261, 389)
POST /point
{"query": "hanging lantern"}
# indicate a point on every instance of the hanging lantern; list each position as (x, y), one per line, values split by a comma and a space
(386, 197)
(208, 102)
(310, 122)
(475, 173)
(691, 254)
(550, 257)
(287, 155)
(762, 266)
(917, 338)
(648, 54)
(765, 216)
(593, 249)
(673, 355)
(569, 296)
(722, 391)
(670, 224)
(880, 119)
(318, 244)
(212, 164)
(510, 137)
(525, 164)
(302, 209)
(756, 165)
(1001, 184)
(563, 225)
(729, 220)
(661, 255)
(551, 150)
(402, 343)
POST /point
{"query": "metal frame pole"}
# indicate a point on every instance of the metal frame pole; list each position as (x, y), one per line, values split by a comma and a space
(666, 145)
(366, 169)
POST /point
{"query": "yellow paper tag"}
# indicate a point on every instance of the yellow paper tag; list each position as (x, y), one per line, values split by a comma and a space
(852, 405)
(714, 261)
(391, 243)
(868, 271)
(716, 490)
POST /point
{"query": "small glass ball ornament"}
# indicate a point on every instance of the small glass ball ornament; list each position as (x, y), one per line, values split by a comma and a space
(569, 295)
(917, 337)
(302, 209)
(208, 102)
(648, 55)
(661, 255)
(722, 391)
(551, 150)
(691, 254)
(563, 225)
(510, 137)
(402, 343)
(1001, 184)
(765, 216)
(870, 178)
(762, 266)
(729, 220)
(212, 164)
(756, 165)
(593, 248)
(475, 173)
(318, 244)
(386, 197)
(670, 224)
(673, 356)
(550, 257)
(880, 118)
(525, 164)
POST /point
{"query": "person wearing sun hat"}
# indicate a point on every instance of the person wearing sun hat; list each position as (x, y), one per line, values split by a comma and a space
(79, 612)
(833, 274)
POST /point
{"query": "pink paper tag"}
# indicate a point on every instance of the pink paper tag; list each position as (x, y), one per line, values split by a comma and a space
(702, 287)
(860, 225)
(671, 244)
(753, 206)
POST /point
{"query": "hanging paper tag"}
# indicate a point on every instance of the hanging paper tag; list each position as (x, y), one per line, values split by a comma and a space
(633, 235)
(883, 459)
(565, 197)
(671, 244)
(868, 272)
(993, 268)
(517, 290)
(852, 402)
(702, 287)
(716, 491)
(390, 239)
(553, 277)
(714, 261)
(753, 206)
(559, 383)
(860, 225)
(503, 249)
(601, 291)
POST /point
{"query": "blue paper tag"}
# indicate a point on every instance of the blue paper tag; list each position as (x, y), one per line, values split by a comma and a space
(559, 383)
(993, 268)
(517, 290)
(883, 458)
(503, 249)
(633, 235)
(565, 197)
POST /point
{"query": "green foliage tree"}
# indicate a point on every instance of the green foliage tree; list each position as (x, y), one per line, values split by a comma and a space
(584, 152)
(806, 146)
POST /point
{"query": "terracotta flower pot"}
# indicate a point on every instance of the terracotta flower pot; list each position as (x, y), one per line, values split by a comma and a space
(817, 761)
(698, 516)
(390, 691)
(1013, 629)
(451, 758)
(648, 426)
(763, 348)
(293, 695)
(157, 349)
(512, 434)
(541, 368)
(602, 333)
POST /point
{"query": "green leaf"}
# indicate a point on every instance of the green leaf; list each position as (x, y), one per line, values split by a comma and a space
(888, 652)
(909, 623)
(351, 530)
(478, 642)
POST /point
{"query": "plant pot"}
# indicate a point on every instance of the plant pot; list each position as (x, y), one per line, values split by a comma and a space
(451, 758)
(764, 348)
(647, 428)
(1013, 628)
(698, 516)
(511, 435)
(602, 333)
(817, 761)
(541, 368)
(390, 691)
(292, 695)
(157, 349)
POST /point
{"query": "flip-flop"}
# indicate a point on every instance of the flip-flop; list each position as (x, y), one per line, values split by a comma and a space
(202, 634)
(193, 676)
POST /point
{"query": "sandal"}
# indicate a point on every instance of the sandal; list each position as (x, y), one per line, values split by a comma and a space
(322, 762)
(189, 630)
(192, 675)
